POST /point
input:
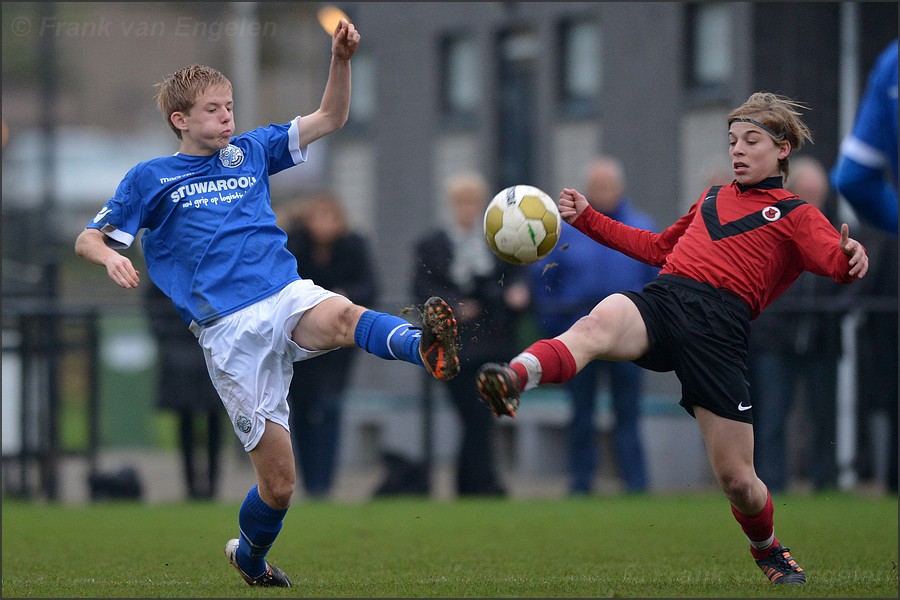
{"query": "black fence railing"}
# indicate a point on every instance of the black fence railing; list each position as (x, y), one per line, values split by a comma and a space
(37, 336)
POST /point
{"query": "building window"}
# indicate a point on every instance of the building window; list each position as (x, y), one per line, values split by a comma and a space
(460, 77)
(709, 43)
(518, 54)
(580, 67)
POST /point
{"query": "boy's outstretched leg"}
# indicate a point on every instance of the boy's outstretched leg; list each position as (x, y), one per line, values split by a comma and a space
(434, 346)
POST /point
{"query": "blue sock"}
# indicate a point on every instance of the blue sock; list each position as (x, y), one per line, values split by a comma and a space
(260, 525)
(388, 337)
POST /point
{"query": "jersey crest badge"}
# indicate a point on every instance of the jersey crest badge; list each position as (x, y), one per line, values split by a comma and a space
(231, 157)
(771, 213)
(243, 423)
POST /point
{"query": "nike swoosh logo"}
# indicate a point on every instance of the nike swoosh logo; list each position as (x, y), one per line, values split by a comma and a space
(103, 212)
(742, 408)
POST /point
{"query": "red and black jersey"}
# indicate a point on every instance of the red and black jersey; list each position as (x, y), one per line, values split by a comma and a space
(753, 242)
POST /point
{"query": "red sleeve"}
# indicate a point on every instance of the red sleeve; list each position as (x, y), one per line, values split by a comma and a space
(819, 244)
(639, 244)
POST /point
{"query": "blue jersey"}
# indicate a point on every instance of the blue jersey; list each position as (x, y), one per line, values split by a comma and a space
(876, 122)
(866, 170)
(210, 240)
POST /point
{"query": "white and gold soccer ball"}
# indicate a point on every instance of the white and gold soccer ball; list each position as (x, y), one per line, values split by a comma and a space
(522, 224)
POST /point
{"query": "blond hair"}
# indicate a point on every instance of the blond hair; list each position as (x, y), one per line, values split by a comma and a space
(469, 182)
(777, 115)
(179, 91)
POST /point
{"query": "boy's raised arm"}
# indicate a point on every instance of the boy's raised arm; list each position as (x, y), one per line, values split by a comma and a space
(334, 110)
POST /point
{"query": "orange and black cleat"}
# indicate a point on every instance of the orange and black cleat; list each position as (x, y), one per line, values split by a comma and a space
(498, 385)
(438, 347)
(780, 567)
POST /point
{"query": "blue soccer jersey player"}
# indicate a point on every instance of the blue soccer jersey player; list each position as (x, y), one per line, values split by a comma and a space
(211, 243)
(866, 169)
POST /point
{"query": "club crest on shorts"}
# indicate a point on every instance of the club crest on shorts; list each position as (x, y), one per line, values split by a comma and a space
(231, 157)
(243, 423)
(771, 213)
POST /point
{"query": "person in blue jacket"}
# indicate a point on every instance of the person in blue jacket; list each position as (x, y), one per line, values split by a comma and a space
(565, 286)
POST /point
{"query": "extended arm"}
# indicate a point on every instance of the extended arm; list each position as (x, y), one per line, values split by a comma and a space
(334, 110)
(640, 244)
(91, 246)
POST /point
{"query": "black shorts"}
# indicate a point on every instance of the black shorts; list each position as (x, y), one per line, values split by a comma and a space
(701, 333)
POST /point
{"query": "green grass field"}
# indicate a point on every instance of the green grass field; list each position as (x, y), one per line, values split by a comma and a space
(603, 546)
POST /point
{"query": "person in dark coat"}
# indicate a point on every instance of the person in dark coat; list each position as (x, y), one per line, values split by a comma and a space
(184, 387)
(487, 294)
(337, 259)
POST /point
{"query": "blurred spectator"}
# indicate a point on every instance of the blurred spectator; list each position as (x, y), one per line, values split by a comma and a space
(795, 347)
(486, 294)
(866, 169)
(566, 285)
(876, 361)
(183, 386)
(337, 259)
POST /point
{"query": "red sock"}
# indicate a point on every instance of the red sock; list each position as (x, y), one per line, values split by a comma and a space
(557, 363)
(758, 527)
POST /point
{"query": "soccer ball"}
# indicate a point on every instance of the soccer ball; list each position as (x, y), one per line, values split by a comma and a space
(521, 224)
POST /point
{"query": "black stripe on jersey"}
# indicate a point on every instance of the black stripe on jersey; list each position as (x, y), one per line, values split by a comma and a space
(717, 231)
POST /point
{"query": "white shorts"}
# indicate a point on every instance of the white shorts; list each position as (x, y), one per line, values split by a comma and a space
(250, 357)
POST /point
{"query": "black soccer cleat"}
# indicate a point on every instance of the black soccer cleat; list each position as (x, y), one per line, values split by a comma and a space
(498, 385)
(438, 347)
(271, 577)
(780, 567)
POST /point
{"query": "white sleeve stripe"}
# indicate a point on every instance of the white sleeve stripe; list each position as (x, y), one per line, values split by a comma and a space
(118, 238)
(298, 154)
(863, 153)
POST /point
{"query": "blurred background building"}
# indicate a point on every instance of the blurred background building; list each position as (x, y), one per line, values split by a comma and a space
(526, 92)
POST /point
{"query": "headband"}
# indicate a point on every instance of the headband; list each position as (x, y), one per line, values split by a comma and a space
(760, 125)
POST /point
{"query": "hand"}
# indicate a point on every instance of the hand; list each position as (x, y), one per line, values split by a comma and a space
(122, 272)
(859, 262)
(571, 204)
(345, 40)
